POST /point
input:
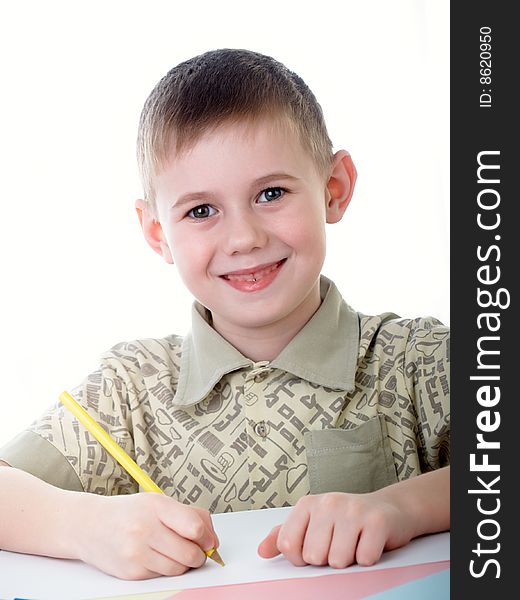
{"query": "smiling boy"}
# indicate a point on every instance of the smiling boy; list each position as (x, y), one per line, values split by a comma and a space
(281, 394)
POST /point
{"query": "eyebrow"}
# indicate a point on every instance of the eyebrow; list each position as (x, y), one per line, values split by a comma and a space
(204, 196)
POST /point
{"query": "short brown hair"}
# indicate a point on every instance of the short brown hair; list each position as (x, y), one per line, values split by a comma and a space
(219, 87)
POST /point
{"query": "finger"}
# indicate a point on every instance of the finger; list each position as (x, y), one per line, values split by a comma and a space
(342, 551)
(317, 540)
(371, 545)
(158, 564)
(268, 547)
(188, 523)
(292, 534)
(206, 517)
(133, 573)
(127, 569)
(174, 547)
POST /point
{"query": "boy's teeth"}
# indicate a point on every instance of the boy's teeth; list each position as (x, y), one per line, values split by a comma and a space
(253, 276)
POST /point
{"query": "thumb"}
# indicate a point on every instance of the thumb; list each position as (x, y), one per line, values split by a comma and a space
(210, 538)
(268, 547)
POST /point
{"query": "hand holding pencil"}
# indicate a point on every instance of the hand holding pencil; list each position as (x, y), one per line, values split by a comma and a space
(139, 536)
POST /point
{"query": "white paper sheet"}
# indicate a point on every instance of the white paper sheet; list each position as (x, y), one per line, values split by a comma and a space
(42, 578)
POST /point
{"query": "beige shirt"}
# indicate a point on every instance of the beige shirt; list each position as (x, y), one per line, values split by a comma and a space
(353, 403)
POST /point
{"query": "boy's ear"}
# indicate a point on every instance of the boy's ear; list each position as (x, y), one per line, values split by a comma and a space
(152, 230)
(340, 186)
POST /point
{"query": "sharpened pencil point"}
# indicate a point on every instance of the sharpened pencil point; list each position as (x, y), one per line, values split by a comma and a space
(214, 555)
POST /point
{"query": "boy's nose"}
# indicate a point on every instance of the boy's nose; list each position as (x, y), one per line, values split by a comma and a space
(243, 233)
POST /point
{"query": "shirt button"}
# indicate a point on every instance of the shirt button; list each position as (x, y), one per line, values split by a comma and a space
(261, 429)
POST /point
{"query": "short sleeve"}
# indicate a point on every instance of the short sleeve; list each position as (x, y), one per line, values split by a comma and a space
(427, 375)
(58, 449)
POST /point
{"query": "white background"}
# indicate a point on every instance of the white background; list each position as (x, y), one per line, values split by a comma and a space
(77, 276)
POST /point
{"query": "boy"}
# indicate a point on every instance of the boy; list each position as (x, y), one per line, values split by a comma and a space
(280, 395)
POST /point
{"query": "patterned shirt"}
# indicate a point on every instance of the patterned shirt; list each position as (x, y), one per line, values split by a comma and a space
(352, 403)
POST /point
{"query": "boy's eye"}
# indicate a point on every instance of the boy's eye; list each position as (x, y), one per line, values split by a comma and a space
(203, 211)
(272, 193)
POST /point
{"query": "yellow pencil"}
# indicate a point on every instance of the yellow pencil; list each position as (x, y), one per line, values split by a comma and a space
(119, 454)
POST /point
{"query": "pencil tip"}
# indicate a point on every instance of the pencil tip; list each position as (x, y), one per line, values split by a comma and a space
(216, 557)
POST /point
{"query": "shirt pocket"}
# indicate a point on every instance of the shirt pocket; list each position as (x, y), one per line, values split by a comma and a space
(356, 461)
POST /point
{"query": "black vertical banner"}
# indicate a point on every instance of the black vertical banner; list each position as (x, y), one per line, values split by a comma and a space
(485, 251)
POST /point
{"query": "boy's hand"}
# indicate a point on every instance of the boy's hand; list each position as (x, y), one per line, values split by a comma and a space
(339, 529)
(143, 535)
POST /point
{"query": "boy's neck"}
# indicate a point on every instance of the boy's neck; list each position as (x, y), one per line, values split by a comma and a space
(266, 343)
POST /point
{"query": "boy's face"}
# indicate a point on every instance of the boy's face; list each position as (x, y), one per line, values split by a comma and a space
(242, 215)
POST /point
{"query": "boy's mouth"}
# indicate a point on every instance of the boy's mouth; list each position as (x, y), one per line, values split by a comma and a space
(253, 274)
(255, 278)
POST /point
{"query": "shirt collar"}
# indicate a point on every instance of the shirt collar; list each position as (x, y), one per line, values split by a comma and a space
(323, 352)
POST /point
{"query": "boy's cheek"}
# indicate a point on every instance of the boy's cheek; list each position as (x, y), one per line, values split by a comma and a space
(307, 228)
